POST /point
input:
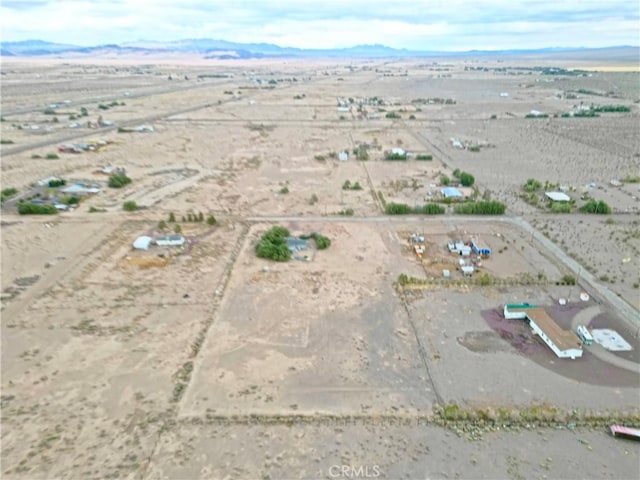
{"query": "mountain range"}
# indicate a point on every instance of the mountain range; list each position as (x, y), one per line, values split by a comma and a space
(210, 48)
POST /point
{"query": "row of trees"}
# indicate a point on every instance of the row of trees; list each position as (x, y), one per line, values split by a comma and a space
(404, 209)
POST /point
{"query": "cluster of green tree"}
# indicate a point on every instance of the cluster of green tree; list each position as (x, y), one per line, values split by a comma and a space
(118, 180)
(425, 157)
(395, 156)
(404, 209)
(7, 193)
(610, 108)
(581, 114)
(347, 185)
(393, 115)
(57, 183)
(536, 115)
(36, 209)
(465, 178)
(532, 185)
(273, 245)
(4, 141)
(322, 242)
(593, 206)
(481, 208)
(474, 148)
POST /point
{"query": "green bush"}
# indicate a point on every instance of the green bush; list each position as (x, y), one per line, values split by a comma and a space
(322, 242)
(118, 180)
(532, 185)
(568, 279)
(425, 157)
(481, 208)
(36, 209)
(393, 115)
(211, 220)
(395, 156)
(57, 183)
(6, 142)
(593, 206)
(397, 209)
(130, 206)
(563, 207)
(273, 245)
(52, 156)
(466, 179)
(444, 180)
(347, 212)
(172, 217)
(431, 209)
(7, 193)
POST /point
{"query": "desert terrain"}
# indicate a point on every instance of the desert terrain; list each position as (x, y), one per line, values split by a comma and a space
(361, 360)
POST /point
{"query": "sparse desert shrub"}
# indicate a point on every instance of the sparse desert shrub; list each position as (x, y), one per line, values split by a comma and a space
(284, 190)
(172, 217)
(118, 180)
(52, 156)
(347, 212)
(444, 180)
(177, 228)
(35, 156)
(162, 225)
(7, 193)
(211, 220)
(532, 185)
(568, 279)
(129, 206)
(313, 199)
(558, 207)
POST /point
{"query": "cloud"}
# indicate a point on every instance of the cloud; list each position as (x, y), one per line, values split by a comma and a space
(426, 24)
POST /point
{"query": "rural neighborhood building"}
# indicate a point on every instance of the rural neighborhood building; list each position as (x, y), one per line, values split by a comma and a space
(451, 192)
(557, 196)
(563, 343)
(170, 241)
(343, 156)
(80, 189)
(398, 151)
(142, 243)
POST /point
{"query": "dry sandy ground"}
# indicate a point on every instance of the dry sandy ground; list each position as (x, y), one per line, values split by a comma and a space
(111, 370)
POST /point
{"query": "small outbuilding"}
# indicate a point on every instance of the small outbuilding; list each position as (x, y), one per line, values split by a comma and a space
(558, 196)
(343, 156)
(142, 243)
(170, 241)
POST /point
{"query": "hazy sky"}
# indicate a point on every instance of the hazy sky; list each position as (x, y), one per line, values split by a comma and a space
(412, 24)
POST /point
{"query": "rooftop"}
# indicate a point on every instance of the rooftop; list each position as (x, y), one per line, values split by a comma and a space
(558, 196)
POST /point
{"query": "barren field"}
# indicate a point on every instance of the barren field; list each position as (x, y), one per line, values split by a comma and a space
(205, 361)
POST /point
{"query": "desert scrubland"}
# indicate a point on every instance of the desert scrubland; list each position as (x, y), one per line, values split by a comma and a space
(205, 361)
